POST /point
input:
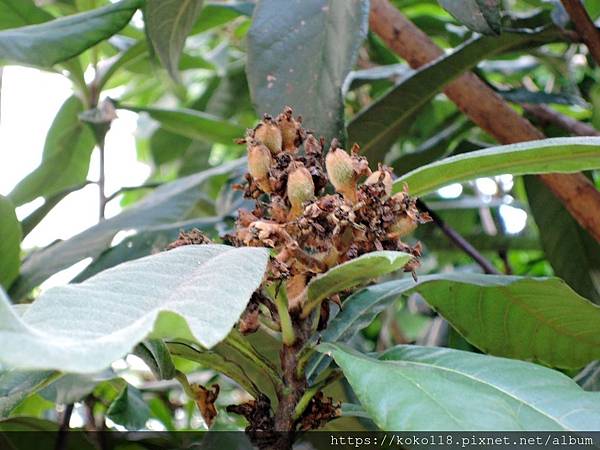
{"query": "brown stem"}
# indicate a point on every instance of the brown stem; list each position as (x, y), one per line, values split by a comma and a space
(294, 384)
(61, 438)
(547, 115)
(459, 240)
(584, 26)
(486, 108)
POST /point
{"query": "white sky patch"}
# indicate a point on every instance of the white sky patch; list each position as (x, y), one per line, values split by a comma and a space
(451, 191)
(515, 219)
(64, 276)
(506, 182)
(121, 236)
(487, 186)
(29, 102)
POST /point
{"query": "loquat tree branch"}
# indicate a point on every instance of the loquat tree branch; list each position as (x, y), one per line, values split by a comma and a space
(547, 115)
(584, 26)
(486, 108)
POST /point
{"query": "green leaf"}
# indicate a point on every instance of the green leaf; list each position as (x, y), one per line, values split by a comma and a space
(378, 126)
(167, 204)
(358, 312)
(557, 155)
(354, 273)
(129, 409)
(434, 148)
(482, 16)
(18, 13)
(300, 55)
(66, 158)
(148, 241)
(15, 386)
(168, 23)
(218, 14)
(194, 124)
(10, 243)
(82, 328)
(410, 388)
(58, 40)
(589, 378)
(71, 388)
(217, 362)
(571, 251)
(538, 319)
(156, 355)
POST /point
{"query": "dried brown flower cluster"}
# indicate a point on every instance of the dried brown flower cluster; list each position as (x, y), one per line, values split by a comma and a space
(316, 212)
(313, 209)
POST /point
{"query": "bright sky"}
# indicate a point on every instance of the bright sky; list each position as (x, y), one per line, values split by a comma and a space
(30, 100)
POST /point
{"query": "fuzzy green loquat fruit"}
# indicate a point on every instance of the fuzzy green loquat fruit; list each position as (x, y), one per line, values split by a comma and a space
(259, 164)
(269, 134)
(340, 169)
(300, 189)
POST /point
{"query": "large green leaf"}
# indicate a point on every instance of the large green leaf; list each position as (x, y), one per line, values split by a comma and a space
(557, 155)
(66, 158)
(15, 386)
(167, 204)
(538, 319)
(148, 241)
(572, 252)
(168, 23)
(10, 243)
(378, 126)
(215, 361)
(527, 318)
(58, 40)
(300, 54)
(410, 388)
(83, 328)
(194, 124)
(18, 13)
(354, 273)
(482, 16)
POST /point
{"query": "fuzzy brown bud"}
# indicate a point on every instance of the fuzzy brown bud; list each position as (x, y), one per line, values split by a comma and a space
(290, 128)
(385, 177)
(340, 169)
(269, 134)
(259, 164)
(300, 189)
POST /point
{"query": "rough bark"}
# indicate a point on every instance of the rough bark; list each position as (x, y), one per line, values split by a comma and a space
(485, 108)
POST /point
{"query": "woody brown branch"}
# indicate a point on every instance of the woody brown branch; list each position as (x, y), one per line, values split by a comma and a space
(487, 109)
(584, 26)
(546, 115)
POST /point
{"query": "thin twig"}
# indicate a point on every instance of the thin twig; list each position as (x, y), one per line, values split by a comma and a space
(547, 115)
(585, 26)
(101, 182)
(459, 241)
(61, 439)
(132, 188)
